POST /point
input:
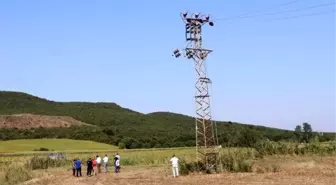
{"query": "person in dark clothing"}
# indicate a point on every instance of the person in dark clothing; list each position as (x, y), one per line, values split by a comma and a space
(116, 164)
(89, 167)
(78, 164)
(74, 167)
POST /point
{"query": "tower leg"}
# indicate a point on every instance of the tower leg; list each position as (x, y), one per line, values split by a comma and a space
(206, 134)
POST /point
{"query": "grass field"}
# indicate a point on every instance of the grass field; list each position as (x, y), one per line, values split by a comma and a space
(151, 166)
(299, 170)
(28, 145)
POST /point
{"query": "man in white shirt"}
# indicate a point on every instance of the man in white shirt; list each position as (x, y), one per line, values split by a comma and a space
(98, 163)
(105, 160)
(174, 162)
(118, 156)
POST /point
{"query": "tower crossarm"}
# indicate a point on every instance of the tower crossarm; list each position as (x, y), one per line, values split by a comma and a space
(206, 141)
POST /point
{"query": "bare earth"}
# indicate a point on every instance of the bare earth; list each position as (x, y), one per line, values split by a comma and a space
(299, 173)
(26, 121)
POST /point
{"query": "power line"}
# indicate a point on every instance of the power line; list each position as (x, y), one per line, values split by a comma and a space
(286, 11)
(294, 17)
(302, 15)
(257, 11)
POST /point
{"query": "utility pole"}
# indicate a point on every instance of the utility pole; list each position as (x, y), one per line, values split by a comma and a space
(206, 131)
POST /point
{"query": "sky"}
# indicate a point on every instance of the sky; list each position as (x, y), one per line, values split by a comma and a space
(266, 70)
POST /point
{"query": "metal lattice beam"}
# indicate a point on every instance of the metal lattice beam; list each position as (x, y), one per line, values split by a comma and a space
(206, 139)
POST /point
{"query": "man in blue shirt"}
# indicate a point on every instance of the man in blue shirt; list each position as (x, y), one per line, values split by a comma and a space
(78, 165)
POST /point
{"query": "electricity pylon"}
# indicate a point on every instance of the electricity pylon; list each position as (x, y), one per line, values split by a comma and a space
(206, 132)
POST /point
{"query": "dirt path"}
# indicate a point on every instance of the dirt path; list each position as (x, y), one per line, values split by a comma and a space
(151, 176)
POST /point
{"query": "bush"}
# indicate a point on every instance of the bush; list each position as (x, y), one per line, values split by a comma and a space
(17, 174)
(237, 162)
(45, 163)
(190, 167)
(231, 161)
(42, 149)
(121, 145)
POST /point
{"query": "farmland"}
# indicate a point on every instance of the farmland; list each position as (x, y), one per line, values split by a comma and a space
(29, 145)
(272, 163)
(293, 170)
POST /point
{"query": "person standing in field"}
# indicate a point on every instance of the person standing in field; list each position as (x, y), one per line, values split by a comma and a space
(118, 156)
(174, 162)
(116, 164)
(74, 167)
(105, 160)
(98, 163)
(78, 164)
(94, 166)
(89, 167)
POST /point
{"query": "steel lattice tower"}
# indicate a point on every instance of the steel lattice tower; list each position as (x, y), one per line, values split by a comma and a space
(206, 131)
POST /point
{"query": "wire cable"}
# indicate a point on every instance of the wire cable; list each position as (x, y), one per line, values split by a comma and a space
(302, 15)
(281, 12)
(258, 11)
(290, 17)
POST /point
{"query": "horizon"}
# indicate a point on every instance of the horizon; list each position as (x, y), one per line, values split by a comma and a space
(275, 70)
(161, 111)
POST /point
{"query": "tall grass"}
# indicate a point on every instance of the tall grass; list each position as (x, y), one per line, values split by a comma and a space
(45, 163)
(230, 160)
(285, 148)
(16, 174)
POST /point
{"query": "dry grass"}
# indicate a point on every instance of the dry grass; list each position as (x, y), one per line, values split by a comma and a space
(291, 170)
(26, 121)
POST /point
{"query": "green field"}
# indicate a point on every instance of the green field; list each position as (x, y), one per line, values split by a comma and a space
(26, 145)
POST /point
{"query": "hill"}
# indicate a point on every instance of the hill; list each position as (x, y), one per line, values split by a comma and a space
(121, 126)
(27, 121)
(52, 144)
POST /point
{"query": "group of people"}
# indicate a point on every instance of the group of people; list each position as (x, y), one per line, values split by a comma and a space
(94, 165)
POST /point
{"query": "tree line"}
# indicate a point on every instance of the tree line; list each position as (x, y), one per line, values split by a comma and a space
(111, 135)
(126, 128)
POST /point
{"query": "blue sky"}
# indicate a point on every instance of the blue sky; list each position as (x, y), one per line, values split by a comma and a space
(269, 72)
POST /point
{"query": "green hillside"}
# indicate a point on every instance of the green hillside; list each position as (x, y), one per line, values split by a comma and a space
(120, 125)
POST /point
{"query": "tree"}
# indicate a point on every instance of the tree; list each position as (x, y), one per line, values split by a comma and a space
(298, 133)
(249, 137)
(307, 132)
(121, 145)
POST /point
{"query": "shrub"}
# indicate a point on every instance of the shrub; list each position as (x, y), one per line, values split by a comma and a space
(45, 163)
(190, 167)
(235, 162)
(121, 145)
(42, 149)
(17, 174)
(231, 161)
